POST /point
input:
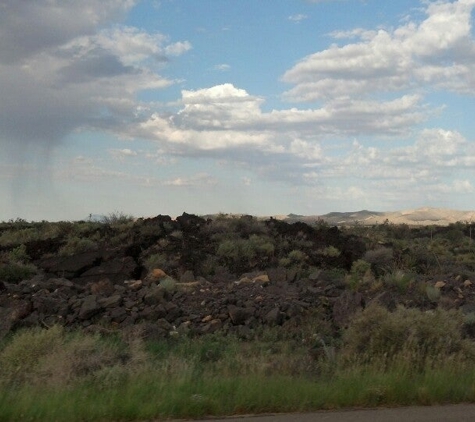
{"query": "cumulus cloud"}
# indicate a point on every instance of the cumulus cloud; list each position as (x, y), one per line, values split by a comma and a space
(437, 52)
(224, 117)
(79, 68)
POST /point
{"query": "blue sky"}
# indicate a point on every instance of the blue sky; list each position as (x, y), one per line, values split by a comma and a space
(291, 106)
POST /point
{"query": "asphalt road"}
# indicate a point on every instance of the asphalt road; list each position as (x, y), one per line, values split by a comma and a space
(450, 413)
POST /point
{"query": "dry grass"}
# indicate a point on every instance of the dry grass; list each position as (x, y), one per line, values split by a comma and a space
(400, 358)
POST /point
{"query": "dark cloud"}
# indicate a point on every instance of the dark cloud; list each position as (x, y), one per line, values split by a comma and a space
(30, 26)
(55, 74)
(97, 64)
(61, 71)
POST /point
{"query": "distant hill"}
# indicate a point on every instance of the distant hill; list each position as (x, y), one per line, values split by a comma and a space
(416, 217)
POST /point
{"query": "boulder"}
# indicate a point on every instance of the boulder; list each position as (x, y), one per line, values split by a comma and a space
(154, 276)
(118, 315)
(274, 317)
(111, 301)
(89, 307)
(277, 275)
(239, 315)
(71, 266)
(187, 277)
(102, 287)
(155, 295)
(117, 270)
(12, 314)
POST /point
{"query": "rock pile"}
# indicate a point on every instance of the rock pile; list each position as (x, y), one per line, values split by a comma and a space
(110, 288)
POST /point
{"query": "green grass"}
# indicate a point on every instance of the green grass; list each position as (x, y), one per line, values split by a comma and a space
(55, 375)
(146, 397)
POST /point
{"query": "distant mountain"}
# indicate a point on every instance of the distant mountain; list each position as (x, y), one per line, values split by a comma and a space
(417, 217)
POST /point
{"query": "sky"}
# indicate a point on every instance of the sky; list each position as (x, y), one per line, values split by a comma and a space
(235, 106)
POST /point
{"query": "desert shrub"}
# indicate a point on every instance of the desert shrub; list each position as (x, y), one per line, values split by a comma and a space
(18, 237)
(14, 272)
(157, 260)
(360, 267)
(21, 356)
(19, 254)
(15, 266)
(244, 226)
(421, 259)
(297, 257)
(117, 218)
(453, 234)
(150, 230)
(408, 337)
(360, 274)
(76, 245)
(330, 251)
(244, 254)
(79, 356)
(380, 259)
(433, 293)
(177, 234)
(168, 283)
(285, 262)
(208, 265)
(55, 357)
(398, 279)
(262, 245)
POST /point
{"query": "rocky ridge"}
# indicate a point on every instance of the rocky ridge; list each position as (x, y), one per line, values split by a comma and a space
(110, 288)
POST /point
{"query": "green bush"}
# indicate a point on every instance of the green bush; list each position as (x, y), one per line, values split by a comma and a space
(76, 245)
(21, 356)
(15, 272)
(157, 260)
(381, 259)
(19, 254)
(117, 218)
(54, 357)
(330, 251)
(399, 279)
(168, 283)
(360, 274)
(410, 338)
(18, 237)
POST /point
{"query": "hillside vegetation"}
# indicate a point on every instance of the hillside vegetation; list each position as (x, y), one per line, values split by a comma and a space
(156, 318)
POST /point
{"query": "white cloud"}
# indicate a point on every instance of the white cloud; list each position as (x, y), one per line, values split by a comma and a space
(87, 74)
(463, 186)
(218, 107)
(222, 67)
(133, 46)
(297, 18)
(437, 52)
(224, 118)
(178, 48)
(122, 154)
(200, 179)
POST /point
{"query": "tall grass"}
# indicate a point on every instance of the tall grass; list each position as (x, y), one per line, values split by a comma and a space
(402, 358)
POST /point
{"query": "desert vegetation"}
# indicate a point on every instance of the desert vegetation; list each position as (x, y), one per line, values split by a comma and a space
(126, 319)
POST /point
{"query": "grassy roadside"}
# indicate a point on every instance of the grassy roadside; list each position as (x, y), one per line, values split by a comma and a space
(144, 398)
(405, 357)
